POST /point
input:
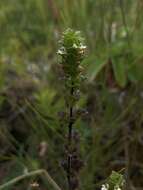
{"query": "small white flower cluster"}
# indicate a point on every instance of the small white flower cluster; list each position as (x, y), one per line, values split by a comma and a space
(62, 51)
(106, 187)
(117, 187)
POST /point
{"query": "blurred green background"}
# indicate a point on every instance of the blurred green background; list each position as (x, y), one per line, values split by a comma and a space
(32, 101)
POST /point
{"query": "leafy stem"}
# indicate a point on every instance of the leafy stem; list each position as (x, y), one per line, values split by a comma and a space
(72, 53)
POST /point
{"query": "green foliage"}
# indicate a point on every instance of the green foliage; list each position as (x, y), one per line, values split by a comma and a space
(115, 180)
(31, 94)
(72, 52)
(71, 39)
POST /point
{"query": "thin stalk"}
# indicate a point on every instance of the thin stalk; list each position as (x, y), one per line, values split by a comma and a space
(70, 129)
(70, 120)
(30, 174)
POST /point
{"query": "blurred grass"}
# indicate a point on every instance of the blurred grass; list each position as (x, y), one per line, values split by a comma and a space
(31, 95)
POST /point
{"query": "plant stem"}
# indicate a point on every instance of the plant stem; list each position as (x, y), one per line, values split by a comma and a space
(70, 127)
(70, 120)
(30, 174)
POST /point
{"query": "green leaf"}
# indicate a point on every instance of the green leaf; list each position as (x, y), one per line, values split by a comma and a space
(115, 180)
(119, 71)
(135, 72)
(95, 66)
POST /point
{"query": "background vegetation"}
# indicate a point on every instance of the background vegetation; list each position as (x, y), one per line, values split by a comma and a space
(31, 97)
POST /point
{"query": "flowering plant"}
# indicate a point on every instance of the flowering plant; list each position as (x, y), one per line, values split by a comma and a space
(72, 51)
(114, 182)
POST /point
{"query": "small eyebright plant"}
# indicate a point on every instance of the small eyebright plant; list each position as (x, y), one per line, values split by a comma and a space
(114, 182)
(72, 52)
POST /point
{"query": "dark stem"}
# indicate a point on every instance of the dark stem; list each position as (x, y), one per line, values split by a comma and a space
(70, 125)
(70, 128)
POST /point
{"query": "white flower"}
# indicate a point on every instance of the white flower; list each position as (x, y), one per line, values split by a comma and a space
(75, 46)
(82, 47)
(117, 187)
(105, 187)
(61, 51)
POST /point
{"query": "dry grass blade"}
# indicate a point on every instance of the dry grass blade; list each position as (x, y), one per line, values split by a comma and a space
(30, 174)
